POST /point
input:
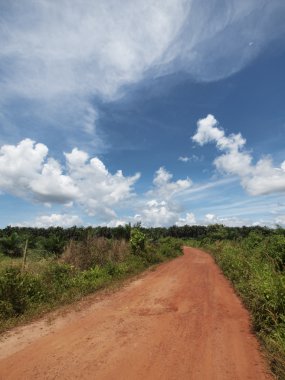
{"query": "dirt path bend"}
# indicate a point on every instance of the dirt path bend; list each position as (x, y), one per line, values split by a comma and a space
(181, 321)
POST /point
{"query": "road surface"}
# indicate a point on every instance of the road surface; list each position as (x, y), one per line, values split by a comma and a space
(179, 321)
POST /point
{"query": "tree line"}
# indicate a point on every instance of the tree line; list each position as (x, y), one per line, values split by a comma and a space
(53, 239)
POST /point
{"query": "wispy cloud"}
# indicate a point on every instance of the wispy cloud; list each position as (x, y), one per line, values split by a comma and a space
(66, 54)
(192, 158)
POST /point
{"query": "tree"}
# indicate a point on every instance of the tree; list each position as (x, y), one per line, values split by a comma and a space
(11, 245)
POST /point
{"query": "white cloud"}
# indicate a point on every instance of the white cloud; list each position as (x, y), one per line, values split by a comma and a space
(117, 223)
(189, 219)
(210, 218)
(164, 187)
(207, 130)
(280, 220)
(100, 190)
(90, 119)
(265, 178)
(53, 220)
(156, 213)
(193, 158)
(59, 54)
(53, 186)
(257, 179)
(232, 221)
(27, 171)
(85, 48)
(184, 158)
(160, 207)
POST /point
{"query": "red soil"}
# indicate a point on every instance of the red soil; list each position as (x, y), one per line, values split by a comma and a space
(181, 321)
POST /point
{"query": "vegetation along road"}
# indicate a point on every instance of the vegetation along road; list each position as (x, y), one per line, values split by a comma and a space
(180, 321)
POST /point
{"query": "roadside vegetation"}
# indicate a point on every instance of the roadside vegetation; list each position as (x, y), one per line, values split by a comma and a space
(255, 265)
(60, 268)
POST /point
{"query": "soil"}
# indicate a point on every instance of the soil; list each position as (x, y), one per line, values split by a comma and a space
(179, 321)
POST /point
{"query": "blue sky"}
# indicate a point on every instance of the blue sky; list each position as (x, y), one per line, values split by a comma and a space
(166, 112)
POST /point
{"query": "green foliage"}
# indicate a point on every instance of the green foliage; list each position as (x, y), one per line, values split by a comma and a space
(276, 250)
(53, 244)
(17, 291)
(57, 277)
(255, 265)
(90, 280)
(11, 245)
(12, 292)
(137, 240)
(84, 267)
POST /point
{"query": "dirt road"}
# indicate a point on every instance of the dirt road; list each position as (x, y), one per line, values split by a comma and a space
(181, 321)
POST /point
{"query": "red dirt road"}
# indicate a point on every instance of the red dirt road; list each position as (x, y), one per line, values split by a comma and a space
(181, 321)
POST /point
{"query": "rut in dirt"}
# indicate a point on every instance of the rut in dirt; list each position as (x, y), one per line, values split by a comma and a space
(180, 321)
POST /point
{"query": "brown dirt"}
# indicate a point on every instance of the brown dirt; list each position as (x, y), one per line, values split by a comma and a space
(181, 321)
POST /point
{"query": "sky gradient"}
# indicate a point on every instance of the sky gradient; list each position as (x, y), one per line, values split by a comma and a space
(163, 112)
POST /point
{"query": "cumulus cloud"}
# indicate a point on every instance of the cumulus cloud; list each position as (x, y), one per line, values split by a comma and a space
(158, 213)
(160, 206)
(189, 219)
(210, 218)
(26, 171)
(164, 187)
(99, 189)
(257, 179)
(53, 220)
(232, 221)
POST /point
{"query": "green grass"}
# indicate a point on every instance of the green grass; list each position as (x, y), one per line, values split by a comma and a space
(82, 269)
(255, 267)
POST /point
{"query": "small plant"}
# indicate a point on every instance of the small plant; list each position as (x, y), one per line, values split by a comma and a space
(137, 240)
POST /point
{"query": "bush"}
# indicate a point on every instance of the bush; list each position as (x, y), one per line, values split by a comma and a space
(18, 291)
(53, 244)
(57, 277)
(137, 241)
(169, 247)
(276, 250)
(11, 245)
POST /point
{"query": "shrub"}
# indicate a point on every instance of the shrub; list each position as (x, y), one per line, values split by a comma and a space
(276, 250)
(11, 245)
(18, 290)
(137, 241)
(53, 244)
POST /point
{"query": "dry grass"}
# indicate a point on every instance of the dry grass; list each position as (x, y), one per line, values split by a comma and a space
(95, 251)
